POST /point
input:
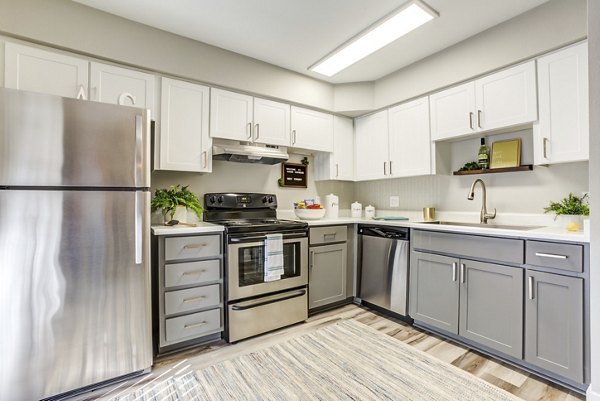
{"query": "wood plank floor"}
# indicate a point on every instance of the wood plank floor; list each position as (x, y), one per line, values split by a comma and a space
(507, 377)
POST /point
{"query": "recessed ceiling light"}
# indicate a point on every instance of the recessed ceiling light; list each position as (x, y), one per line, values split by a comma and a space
(410, 16)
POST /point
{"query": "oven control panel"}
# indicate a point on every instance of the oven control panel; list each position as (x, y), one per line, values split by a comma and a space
(239, 201)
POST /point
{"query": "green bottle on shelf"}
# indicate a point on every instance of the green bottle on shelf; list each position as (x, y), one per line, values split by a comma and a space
(484, 155)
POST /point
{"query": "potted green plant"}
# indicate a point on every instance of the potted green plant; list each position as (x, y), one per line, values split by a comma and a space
(174, 203)
(571, 209)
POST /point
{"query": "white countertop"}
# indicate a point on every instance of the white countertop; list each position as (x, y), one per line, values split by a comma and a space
(554, 233)
(201, 228)
(550, 230)
(544, 233)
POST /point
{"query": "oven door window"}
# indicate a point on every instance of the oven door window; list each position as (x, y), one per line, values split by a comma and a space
(251, 259)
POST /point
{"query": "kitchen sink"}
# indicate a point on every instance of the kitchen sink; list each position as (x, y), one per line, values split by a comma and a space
(479, 225)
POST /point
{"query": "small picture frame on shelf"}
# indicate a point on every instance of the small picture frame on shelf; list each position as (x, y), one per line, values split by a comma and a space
(506, 154)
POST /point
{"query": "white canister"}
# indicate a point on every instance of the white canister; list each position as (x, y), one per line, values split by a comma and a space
(356, 210)
(332, 206)
(369, 212)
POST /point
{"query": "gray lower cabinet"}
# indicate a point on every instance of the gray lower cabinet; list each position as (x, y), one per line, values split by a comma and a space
(491, 306)
(482, 302)
(554, 333)
(434, 290)
(328, 265)
(188, 290)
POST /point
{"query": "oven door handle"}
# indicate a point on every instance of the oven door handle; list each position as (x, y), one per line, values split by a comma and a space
(251, 305)
(235, 240)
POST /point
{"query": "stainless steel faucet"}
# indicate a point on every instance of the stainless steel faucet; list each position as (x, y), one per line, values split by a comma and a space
(484, 216)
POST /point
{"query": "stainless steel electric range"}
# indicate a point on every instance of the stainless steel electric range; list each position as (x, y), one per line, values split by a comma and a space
(254, 303)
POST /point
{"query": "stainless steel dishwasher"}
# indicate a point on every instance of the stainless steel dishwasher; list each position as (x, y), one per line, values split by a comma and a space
(384, 267)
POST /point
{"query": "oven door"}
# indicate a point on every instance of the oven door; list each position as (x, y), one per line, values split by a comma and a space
(246, 266)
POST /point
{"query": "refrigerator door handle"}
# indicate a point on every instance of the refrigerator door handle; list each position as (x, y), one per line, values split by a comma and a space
(138, 228)
(138, 150)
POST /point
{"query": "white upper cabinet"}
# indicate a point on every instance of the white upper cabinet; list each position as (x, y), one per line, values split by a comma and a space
(117, 85)
(271, 122)
(371, 144)
(338, 165)
(409, 141)
(506, 98)
(452, 111)
(184, 141)
(312, 130)
(500, 100)
(562, 133)
(230, 115)
(32, 69)
(240, 117)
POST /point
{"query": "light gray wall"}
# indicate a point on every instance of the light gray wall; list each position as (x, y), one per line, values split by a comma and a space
(594, 74)
(517, 192)
(549, 26)
(74, 27)
(241, 177)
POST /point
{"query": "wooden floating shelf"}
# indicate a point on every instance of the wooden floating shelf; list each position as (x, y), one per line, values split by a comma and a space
(526, 167)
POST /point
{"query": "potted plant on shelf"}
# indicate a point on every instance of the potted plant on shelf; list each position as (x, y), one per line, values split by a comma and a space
(570, 209)
(174, 203)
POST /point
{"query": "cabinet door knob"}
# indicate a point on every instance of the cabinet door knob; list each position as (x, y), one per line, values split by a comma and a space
(530, 287)
(463, 276)
(471, 120)
(81, 93)
(249, 131)
(454, 271)
(479, 118)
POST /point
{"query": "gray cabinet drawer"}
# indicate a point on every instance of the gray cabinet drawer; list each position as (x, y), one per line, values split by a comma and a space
(193, 247)
(559, 256)
(204, 271)
(192, 299)
(194, 325)
(325, 235)
(473, 246)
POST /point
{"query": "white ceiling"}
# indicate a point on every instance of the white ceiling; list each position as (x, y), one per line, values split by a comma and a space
(294, 34)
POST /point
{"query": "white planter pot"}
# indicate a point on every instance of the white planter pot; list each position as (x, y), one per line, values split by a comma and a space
(570, 222)
(180, 214)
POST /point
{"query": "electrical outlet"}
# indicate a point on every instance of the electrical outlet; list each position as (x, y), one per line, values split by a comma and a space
(394, 201)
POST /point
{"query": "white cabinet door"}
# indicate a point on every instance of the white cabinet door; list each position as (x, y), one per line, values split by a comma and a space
(184, 141)
(343, 148)
(452, 112)
(506, 98)
(562, 133)
(230, 115)
(372, 146)
(312, 130)
(117, 85)
(338, 165)
(410, 144)
(271, 122)
(36, 70)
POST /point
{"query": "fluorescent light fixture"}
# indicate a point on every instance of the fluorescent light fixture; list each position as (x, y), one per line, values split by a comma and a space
(411, 16)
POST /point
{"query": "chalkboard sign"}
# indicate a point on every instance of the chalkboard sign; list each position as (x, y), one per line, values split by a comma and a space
(294, 175)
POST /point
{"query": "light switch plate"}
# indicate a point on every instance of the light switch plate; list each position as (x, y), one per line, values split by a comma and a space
(394, 201)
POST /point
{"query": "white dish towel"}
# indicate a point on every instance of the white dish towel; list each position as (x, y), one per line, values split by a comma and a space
(273, 257)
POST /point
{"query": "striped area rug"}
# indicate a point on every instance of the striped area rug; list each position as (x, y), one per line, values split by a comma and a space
(343, 361)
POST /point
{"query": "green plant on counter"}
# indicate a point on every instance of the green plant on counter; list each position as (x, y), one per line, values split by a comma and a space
(470, 166)
(176, 195)
(305, 161)
(572, 205)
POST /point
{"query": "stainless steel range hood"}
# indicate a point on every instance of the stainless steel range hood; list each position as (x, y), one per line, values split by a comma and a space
(248, 153)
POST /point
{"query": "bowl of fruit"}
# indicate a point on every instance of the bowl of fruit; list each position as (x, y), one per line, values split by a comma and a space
(308, 210)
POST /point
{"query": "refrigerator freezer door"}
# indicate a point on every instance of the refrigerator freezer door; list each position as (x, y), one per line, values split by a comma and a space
(52, 141)
(74, 300)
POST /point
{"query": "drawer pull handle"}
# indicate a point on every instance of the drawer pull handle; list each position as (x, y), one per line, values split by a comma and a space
(193, 246)
(551, 255)
(329, 235)
(193, 272)
(201, 297)
(192, 325)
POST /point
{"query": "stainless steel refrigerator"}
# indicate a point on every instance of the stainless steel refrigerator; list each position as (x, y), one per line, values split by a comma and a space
(74, 244)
